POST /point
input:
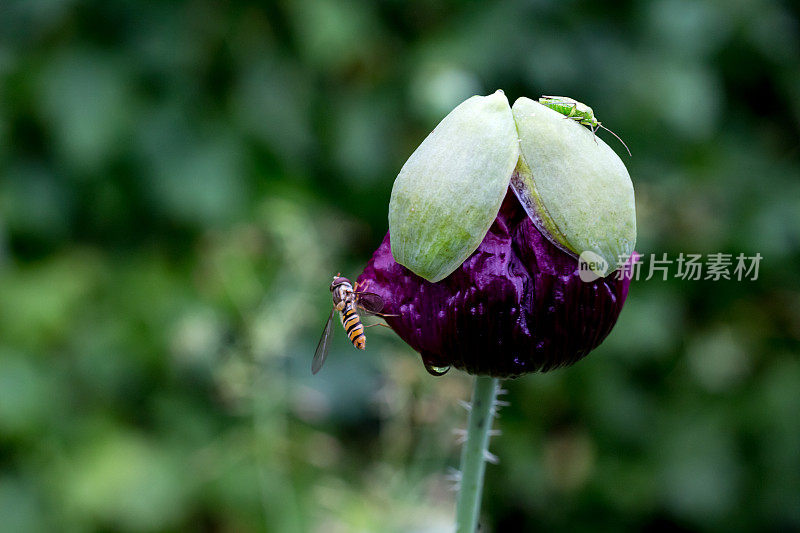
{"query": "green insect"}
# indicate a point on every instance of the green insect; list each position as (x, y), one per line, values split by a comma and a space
(577, 111)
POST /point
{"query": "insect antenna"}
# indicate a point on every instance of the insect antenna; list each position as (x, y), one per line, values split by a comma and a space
(617, 136)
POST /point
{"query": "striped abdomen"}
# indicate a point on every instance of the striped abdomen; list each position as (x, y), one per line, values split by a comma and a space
(353, 326)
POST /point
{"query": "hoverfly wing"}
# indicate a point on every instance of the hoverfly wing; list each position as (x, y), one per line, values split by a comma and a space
(324, 342)
(369, 302)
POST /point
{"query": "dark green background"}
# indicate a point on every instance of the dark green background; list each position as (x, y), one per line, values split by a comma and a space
(179, 180)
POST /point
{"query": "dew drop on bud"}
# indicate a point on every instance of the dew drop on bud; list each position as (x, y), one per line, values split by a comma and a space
(437, 371)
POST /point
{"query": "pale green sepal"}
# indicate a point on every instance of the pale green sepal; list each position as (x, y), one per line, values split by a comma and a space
(573, 186)
(449, 191)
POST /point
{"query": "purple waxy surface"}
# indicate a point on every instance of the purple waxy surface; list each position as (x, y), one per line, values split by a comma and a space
(516, 305)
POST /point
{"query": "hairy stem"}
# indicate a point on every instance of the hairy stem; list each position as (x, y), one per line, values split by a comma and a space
(474, 453)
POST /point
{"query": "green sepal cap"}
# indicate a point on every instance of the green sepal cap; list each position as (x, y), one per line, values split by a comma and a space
(573, 186)
(449, 191)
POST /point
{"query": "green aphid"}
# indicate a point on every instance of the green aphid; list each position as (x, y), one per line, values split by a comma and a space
(579, 111)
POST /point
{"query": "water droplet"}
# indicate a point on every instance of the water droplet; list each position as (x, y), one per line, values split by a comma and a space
(434, 370)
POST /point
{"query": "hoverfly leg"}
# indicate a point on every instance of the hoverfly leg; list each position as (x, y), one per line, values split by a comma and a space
(379, 324)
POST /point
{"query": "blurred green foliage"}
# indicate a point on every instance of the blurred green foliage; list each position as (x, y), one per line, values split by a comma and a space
(179, 180)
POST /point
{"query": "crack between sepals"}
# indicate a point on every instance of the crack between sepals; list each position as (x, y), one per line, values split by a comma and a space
(541, 215)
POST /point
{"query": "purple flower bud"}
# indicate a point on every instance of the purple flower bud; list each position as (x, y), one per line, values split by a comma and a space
(516, 305)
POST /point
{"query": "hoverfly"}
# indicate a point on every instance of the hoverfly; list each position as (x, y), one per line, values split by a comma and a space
(347, 300)
(578, 111)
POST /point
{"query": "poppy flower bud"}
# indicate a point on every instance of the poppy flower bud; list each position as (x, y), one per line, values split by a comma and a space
(479, 269)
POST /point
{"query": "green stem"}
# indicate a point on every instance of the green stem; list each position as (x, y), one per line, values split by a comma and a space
(474, 452)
